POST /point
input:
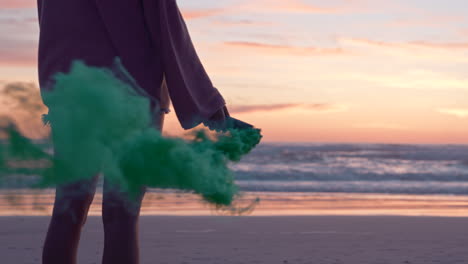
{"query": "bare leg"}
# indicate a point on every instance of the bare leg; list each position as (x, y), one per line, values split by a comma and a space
(71, 207)
(120, 215)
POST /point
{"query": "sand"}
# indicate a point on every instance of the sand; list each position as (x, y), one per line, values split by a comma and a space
(262, 239)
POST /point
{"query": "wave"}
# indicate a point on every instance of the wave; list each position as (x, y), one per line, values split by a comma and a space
(317, 152)
(388, 187)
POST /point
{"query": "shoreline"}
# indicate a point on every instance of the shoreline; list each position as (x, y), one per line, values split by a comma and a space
(39, 203)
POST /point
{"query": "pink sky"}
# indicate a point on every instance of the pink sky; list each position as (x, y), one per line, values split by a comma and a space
(321, 71)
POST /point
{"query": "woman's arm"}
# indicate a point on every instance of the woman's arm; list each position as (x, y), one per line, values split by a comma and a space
(39, 10)
(192, 93)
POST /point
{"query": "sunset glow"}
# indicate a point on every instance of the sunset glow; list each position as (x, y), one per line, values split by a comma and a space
(313, 71)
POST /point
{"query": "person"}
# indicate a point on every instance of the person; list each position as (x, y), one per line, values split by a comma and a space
(152, 42)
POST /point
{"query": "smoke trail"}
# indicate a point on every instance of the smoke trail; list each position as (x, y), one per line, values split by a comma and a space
(101, 124)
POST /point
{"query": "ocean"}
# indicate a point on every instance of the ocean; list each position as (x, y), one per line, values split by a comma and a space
(311, 179)
(355, 168)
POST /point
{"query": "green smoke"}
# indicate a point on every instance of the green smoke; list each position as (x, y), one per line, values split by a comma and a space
(101, 124)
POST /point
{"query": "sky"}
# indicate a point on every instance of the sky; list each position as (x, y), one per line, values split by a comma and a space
(367, 71)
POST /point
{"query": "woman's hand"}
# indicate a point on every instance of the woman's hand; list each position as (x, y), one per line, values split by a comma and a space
(222, 121)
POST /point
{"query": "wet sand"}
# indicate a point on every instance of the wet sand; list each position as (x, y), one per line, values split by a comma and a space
(39, 203)
(262, 239)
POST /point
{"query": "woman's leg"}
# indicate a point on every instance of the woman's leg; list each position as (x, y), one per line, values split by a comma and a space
(120, 215)
(71, 207)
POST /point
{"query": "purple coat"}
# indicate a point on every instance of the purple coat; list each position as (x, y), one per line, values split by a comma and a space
(149, 36)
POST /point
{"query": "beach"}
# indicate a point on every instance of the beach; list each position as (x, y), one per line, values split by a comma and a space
(262, 239)
(358, 152)
(317, 204)
(297, 228)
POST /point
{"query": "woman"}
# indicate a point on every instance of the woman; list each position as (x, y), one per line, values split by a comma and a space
(152, 42)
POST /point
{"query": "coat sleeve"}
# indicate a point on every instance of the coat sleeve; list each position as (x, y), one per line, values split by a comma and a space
(39, 10)
(191, 91)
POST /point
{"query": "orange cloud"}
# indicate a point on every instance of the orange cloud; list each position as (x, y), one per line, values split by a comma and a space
(194, 14)
(244, 22)
(18, 4)
(297, 6)
(446, 45)
(292, 6)
(285, 49)
(457, 112)
(243, 109)
(413, 79)
(436, 20)
(453, 52)
(380, 125)
(18, 53)
(408, 45)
